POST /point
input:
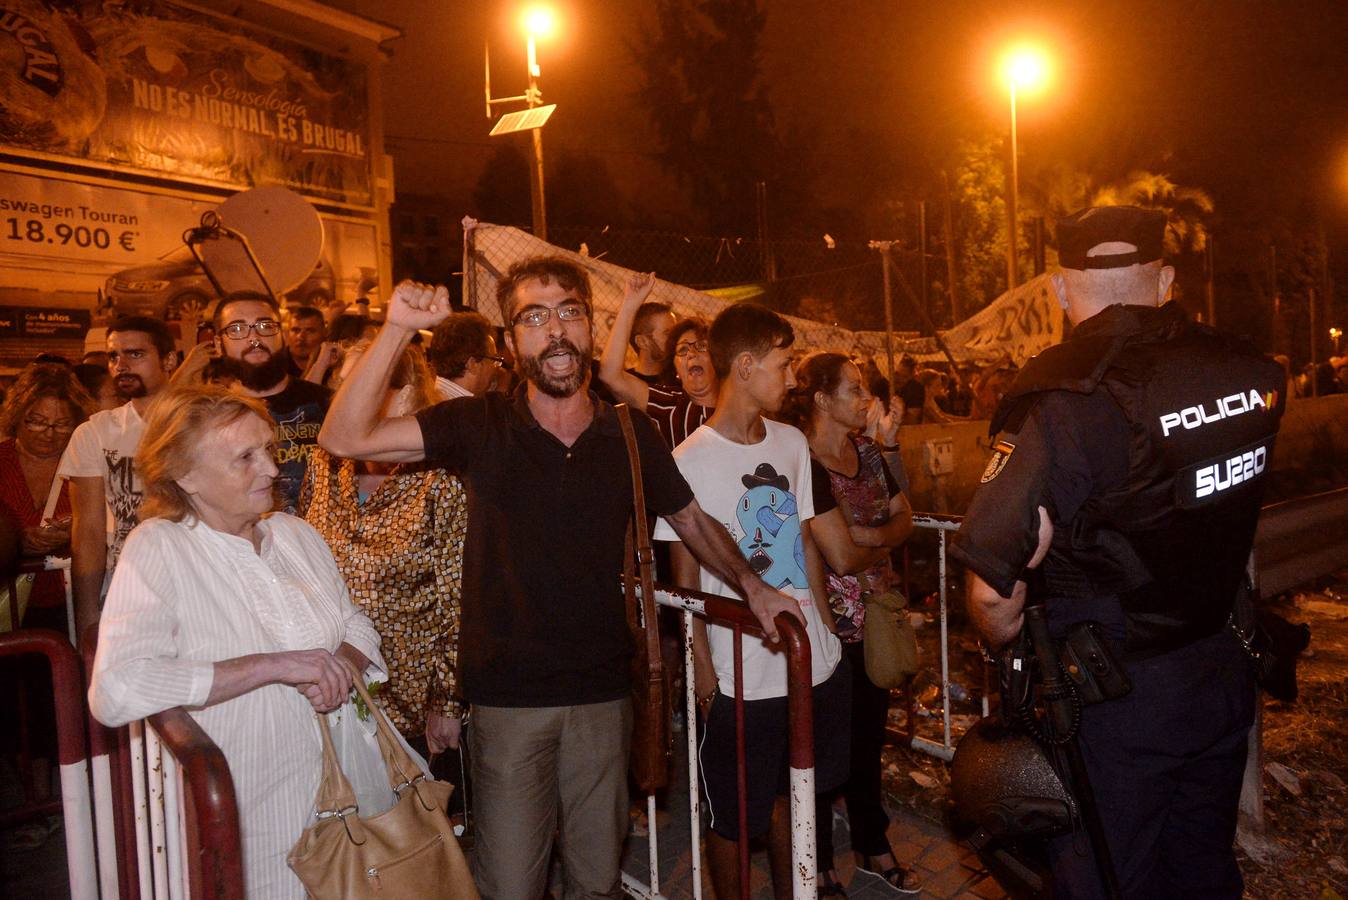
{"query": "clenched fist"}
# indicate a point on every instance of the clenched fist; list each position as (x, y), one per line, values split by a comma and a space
(415, 306)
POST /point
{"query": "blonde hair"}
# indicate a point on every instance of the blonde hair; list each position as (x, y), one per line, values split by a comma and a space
(175, 425)
(412, 372)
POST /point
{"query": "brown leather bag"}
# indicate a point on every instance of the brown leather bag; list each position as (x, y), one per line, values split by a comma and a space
(408, 851)
(652, 738)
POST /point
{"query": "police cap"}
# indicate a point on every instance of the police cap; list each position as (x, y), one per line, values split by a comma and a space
(1087, 228)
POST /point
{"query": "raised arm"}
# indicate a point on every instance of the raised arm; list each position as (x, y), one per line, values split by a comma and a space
(710, 543)
(624, 385)
(353, 428)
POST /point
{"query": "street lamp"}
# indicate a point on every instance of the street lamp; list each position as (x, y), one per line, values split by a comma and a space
(1025, 70)
(538, 23)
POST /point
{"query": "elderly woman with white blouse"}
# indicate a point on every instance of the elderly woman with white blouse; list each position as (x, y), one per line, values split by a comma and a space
(234, 613)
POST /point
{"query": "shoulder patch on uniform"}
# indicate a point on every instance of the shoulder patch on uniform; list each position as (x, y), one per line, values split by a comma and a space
(1001, 454)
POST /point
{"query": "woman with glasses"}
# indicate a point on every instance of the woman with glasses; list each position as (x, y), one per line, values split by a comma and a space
(45, 405)
(677, 412)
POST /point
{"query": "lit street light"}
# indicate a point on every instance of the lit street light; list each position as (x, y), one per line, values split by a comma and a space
(1025, 70)
(538, 22)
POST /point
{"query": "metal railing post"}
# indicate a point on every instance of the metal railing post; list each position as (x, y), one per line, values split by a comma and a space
(68, 692)
(800, 718)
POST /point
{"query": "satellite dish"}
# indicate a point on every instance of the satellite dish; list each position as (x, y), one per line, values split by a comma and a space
(284, 232)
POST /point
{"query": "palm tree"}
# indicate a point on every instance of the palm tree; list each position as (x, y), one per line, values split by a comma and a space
(1186, 209)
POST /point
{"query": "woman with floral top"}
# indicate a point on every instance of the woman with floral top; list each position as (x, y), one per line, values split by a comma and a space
(397, 535)
(860, 515)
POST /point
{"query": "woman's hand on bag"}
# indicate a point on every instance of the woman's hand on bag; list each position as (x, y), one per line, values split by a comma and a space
(442, 732)
(317, 674)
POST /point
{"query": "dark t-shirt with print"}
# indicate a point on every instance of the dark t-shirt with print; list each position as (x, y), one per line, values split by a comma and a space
(298, 412)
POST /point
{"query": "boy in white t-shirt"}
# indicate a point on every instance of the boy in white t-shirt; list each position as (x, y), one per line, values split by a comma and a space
(753, 475)
(100, 460)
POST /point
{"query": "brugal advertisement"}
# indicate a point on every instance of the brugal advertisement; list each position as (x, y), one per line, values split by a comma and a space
(152, 88)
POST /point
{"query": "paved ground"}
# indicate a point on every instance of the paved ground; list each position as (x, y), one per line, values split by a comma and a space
(948, 870)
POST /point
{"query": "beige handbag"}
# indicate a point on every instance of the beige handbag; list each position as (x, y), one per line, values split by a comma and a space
(889, 641)
(408, 851)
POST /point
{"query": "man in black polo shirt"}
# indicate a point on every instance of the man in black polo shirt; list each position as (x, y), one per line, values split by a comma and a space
(544, 648)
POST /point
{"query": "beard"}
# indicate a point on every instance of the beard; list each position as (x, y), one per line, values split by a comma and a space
(553, 385)
(129, 387)
(255, 376)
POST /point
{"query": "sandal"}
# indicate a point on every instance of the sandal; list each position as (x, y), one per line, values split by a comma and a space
(828, 885)
(897, 877)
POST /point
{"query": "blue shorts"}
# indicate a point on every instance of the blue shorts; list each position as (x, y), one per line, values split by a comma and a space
(767, 752)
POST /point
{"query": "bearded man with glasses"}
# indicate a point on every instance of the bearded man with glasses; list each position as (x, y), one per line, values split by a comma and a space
(544, 649)
(252, 352)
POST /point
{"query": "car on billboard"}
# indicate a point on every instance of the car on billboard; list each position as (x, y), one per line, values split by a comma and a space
(167, 289)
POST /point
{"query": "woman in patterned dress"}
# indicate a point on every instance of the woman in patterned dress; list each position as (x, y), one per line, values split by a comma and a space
(397, 534)
(860, 516)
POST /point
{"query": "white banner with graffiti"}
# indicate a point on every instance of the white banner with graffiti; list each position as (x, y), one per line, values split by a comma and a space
(1016, 326)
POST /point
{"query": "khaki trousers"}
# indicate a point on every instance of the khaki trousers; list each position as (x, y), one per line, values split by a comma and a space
(540, 771)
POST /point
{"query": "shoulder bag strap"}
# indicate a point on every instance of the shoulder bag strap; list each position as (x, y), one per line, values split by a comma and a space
(642, 539)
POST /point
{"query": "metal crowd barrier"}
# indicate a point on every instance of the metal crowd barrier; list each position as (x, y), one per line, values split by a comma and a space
(166, 817)
(800, 719)
(942, 524)
(68, 691)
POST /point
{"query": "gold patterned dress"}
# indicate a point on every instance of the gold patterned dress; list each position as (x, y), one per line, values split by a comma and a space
(401, 553)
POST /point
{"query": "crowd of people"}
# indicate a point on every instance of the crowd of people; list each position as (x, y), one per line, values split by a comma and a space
(439, 505)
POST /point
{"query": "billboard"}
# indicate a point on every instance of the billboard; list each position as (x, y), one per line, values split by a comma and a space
(152, 88)
(67, 243)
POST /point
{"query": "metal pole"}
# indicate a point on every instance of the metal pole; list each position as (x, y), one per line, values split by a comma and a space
(1315, 333)
(889, 306)
(533, 96)
(956, 313)
(1012, 275)
(922, 254)
(1211, 286)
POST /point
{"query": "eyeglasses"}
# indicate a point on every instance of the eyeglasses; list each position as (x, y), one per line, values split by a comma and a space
(690, 348)
(499, 360)
(537, 316)
(38, 426)
(238, 331)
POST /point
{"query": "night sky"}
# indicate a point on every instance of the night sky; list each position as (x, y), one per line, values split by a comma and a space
(1247, 100)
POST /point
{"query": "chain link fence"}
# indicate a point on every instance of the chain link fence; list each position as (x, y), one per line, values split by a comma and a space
(833, 283)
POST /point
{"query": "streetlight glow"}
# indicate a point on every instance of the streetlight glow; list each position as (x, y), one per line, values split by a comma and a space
(539, 22)
(1026, 69)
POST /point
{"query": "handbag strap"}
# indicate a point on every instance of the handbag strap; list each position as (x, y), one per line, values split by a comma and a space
(640, 538)
(334, 790)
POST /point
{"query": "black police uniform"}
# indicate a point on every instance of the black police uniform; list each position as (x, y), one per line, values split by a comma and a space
(1146, 438)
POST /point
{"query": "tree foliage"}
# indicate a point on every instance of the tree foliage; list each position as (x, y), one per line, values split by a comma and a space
(699, 81)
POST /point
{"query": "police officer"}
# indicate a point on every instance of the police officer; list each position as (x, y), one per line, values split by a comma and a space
(1128, 469)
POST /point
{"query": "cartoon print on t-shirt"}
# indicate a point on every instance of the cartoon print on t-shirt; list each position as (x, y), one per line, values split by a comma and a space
(770, 526)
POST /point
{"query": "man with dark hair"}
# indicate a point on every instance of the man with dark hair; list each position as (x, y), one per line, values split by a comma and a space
(463, 354)
(304, 337)
(651, 326)
(105, 491)
(677, 409)
(1125, 488)
(753, 475)
(544, 648)
(248, 337)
